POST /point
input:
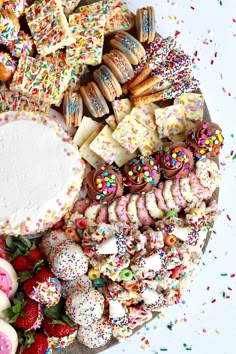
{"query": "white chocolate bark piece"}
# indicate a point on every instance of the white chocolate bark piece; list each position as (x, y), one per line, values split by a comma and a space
(47, 37)
(105, 146)
(88, 154)
(129, 133)
(145, 115)
(170, 120)
(193, 104)
(86, 128)
(111, 121)
(150, 143)
(121, 108)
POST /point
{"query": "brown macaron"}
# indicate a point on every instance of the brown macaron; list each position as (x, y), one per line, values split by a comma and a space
(119, 65)
(94, 100)
(107, 83)
(129, 46)
(72, 108)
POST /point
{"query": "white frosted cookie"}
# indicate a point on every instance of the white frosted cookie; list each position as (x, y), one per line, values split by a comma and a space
(8, 338)
(8, 278)
(132, 209)
(208, 173)
(167, 194)
(152, 207)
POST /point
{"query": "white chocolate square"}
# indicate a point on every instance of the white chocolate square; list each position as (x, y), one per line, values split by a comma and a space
(121, 108)
(170, 120)
(88, 155)
(86, 128)
(145, 115)
(150, 143)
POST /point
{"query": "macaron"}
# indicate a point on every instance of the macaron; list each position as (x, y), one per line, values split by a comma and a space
(119, 65)
(72, 108)
(145, 24)
(107, 83)
(129, 46)
(94, 100)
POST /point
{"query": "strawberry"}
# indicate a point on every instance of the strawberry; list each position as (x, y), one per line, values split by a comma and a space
(31, 342)
(58, 324)
(24, 254)
(25, 314)
(57, 329)
(43, 287)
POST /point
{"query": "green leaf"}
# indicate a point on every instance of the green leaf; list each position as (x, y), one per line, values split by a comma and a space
(23, 276)
(13, 318)
(57, 322)
(25, 241)
(21, 246)
(17, 308)
(10, 243)
(38, 265)
(15, 254)
(8, 313)
(69, 321)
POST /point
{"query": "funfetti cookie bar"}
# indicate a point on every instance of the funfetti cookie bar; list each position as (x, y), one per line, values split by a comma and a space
(118, 16)
(105, 146)
(150, 143)
(86, 128)
(69, 6)
(89, 39)
(15, 101)
(129, 133)
(170, 120)
(193, 104)
(48, 26)
(36, 79)
(88, 154)
(121, 108)
(145, 115)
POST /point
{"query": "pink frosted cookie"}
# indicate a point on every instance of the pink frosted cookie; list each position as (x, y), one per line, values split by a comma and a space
(132, 211)
(160, 199)
(178, 198)
(152, 207)
(186, 191)
(112, 216)
(121, 208)
(102, 215)
(81, 205)
(143, 215)
(167, 194)
(202, 193)
(8, 338)
(8, 278)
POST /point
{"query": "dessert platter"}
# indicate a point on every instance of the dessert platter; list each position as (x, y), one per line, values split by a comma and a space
(109, 174)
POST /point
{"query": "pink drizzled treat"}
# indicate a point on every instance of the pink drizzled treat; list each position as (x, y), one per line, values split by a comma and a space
(8, 278)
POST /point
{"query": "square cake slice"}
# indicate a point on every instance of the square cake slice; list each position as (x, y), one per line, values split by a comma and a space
(48, 26)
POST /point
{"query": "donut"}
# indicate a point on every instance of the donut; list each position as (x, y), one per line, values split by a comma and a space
(208, 173)
(129, 46)
(119, 65)
(107, 83)
(7, 67)
(94, 100)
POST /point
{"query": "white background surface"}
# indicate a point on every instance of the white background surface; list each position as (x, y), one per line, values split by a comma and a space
(206, 327)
